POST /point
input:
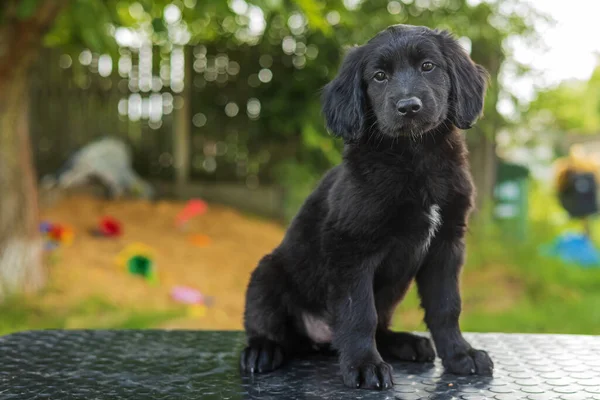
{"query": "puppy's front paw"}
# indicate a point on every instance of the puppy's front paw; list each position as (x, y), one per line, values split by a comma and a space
(368, 375)
(471, 362)
(261, 355)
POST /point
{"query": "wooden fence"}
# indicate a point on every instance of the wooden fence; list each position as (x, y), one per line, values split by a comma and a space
(159, 103)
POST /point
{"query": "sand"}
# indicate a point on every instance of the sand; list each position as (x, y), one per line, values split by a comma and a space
(221, 269)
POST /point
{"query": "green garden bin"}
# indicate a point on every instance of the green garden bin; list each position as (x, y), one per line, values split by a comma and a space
(511, 198)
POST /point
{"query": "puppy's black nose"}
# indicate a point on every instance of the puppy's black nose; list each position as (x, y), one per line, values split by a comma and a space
(409, 107)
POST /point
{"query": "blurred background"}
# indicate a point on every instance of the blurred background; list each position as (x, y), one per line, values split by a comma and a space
(152, 151)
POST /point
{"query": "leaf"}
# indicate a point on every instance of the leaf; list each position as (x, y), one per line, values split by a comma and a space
(158, 25)
(26, 8)
(313, 10)
(91, 38)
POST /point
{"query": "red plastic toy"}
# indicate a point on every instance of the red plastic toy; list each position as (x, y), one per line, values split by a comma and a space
(110, 227)
(191, 209)
(57, 232)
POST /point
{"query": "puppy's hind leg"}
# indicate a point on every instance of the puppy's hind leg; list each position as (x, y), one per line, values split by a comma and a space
(266, 319)
(404, 346)
(390, 289)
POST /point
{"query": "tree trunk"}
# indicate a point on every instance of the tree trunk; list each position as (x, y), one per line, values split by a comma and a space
(21, 266)
(481, 139)
(483, 160)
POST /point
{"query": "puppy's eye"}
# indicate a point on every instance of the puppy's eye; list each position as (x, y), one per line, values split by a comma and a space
(427, 66)
(380, 76)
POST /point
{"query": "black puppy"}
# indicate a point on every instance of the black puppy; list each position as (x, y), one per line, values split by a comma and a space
(395, 210)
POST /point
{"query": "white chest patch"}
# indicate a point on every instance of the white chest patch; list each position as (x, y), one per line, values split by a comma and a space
(435, 220)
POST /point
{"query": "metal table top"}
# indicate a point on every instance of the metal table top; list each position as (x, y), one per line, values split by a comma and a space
(204, 365)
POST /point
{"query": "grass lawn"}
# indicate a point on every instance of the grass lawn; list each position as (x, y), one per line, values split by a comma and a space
(508, 286)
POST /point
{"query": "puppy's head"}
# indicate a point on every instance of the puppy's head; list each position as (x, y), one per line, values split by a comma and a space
(405, 81)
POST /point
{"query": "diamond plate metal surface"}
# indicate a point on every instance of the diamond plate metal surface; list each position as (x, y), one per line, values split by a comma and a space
(203, 365)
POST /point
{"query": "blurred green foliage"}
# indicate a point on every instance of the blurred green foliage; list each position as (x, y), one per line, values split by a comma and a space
(572, 106)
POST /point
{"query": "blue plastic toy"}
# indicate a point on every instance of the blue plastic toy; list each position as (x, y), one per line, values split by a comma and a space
(575, 249)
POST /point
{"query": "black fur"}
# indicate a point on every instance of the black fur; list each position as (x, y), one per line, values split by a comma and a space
(394, 210)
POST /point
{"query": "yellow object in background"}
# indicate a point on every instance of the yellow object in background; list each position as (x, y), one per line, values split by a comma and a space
(138, 259)
(67, 236)
(197, 310)
(134, 249)
(576, 161)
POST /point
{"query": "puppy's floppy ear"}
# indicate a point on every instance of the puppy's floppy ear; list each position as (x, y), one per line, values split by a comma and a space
(468, 80)
(344, 99)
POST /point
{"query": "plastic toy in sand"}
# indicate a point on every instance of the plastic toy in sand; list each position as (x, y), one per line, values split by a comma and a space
(183, 294)
(197, 303)
(110, 227)
(200, 240)
(138, 259)
(56, 235)
(193, 208)
(61, 234)
(197, 310)
(575, 249)
(45, 227)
